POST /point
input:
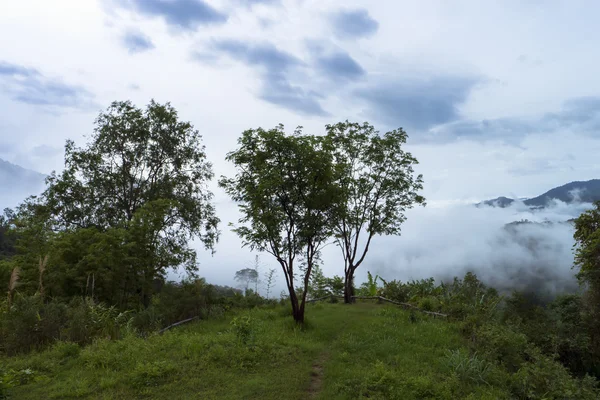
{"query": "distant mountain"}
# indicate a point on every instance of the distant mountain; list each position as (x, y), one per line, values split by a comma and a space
(573, 192)
(17, 183)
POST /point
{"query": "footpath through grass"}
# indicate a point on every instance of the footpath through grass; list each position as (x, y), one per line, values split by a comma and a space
(345, 352)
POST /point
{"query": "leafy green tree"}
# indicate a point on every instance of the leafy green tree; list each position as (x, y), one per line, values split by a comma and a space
(7, 236)
(284, 190)
(335, 285)
(378, 185)
(317, 287)
(246, 276)
(140, 184)
(587, 260)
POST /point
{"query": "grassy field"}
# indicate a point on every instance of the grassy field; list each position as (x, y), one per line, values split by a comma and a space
(344, 352)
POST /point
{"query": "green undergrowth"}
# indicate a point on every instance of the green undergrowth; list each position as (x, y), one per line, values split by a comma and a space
(363, 351)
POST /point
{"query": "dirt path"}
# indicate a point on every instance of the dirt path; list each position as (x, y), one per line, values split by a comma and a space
(316, 376)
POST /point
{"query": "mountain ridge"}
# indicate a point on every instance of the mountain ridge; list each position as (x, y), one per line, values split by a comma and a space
(17, 183)
(572, 192)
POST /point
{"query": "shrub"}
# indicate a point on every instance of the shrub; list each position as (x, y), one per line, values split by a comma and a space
(544, 378)
(468, 367)
(88, 320)
(501, 344)
(152, 373)
(243, 328)
(30, 324)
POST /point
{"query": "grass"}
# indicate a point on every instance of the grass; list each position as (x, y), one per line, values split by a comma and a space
(344, 352)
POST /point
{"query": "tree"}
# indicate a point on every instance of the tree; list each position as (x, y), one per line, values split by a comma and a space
(377, 182)
(246, 276)
(141, 182)
(285, 192)
(270, 276)
(587, 259)
(318, 284)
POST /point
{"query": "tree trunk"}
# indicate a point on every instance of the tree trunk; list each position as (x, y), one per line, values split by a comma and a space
(297, 312)
(349, 287)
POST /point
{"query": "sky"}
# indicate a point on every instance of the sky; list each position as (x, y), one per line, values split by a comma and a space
(497, 99)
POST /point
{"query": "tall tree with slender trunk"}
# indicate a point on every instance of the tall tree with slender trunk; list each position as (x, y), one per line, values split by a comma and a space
(285, 192)
(378, 184)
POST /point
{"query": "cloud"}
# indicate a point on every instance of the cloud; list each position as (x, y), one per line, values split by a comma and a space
(353, 24)
(416, 103)
(250, 3)
(581, 115)
(443, 242)
(339, 66)
(278, 90)
(181, 14)
(136, 42)
(263, 55)
(275, 67)
(29, 86)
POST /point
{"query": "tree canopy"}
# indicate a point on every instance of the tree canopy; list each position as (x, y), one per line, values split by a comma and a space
(377, 182)
(285, 192)
(127, 204)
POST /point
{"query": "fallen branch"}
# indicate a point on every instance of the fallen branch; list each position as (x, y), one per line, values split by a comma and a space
(185, 321)
(405, 305)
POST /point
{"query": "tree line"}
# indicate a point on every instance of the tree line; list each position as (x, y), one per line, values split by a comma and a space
(127, 204)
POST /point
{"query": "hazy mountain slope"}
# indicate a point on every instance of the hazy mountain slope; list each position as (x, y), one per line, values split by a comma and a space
(17, 183)
(579, 191)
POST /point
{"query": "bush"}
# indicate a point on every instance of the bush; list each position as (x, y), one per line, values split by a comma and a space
(152, 373)
(243, 328)
(468, 367)
(544, 378)
(88, 320)
(502, 345)
(31, 324)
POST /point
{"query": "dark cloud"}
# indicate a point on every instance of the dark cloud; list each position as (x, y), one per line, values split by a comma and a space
(416, 104)
(278, 90)
(136, 42)
(353, 24)
(339, 66)
(263, 55)
(276, 68)
(29, 86)
(182, 14)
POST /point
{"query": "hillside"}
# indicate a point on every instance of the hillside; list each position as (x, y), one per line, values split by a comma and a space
(579, 191)
(361, 351)
(17, 183)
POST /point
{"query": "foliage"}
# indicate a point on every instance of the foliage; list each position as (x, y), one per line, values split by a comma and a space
(246, 276)
(243, 328)
(376, 179)
(369, 288)
(285, 192)
(361, 353)
(587, 260)
(468, 367)
(123, 210)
